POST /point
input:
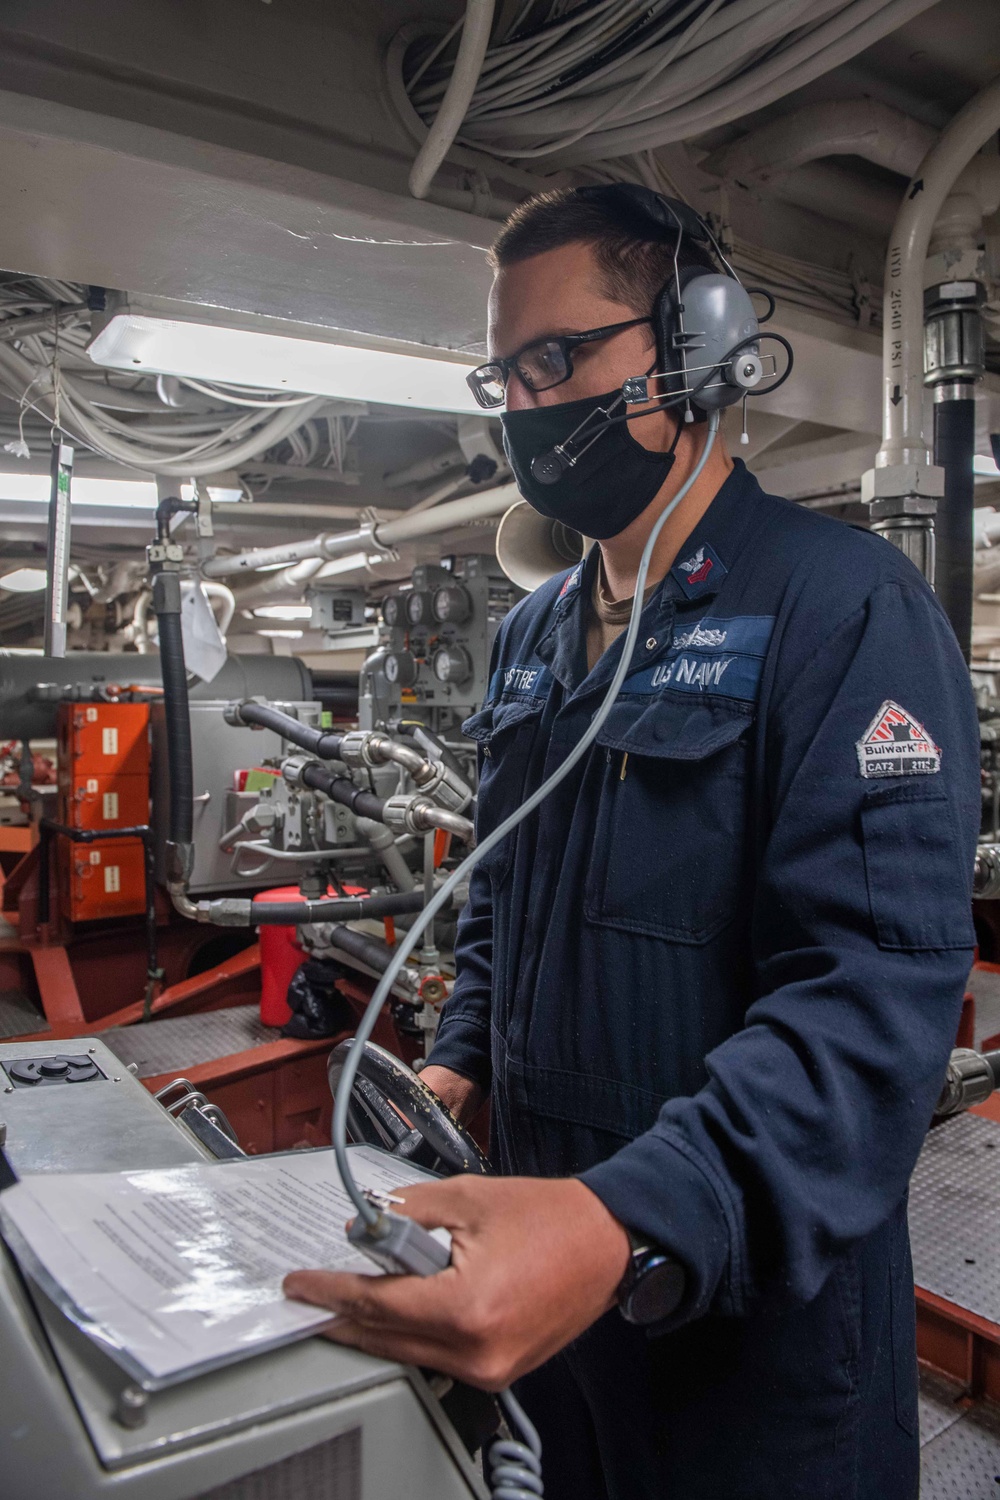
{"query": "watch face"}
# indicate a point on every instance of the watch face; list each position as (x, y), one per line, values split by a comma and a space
(652, 1289)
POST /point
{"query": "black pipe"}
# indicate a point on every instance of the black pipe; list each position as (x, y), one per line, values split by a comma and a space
(167, 603)
(172, 506)
(316, 741)
(370, 950)
(334, 909)
(340, 789)
(954, 447)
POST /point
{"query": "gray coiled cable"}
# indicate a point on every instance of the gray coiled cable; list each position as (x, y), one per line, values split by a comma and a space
(463, 871)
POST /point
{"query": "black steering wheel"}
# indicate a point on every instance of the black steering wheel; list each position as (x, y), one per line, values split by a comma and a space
(391, 1109)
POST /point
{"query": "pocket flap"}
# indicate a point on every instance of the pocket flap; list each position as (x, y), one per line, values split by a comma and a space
(673, 728)
(918, 892)
(490, 721)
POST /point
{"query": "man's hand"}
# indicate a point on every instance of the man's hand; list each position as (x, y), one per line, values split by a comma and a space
(462, 1096)
(534, 1262)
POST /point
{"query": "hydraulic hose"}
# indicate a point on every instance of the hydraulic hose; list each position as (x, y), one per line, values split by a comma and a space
(334, 909)
(177, 720)
(341, 789)
(316, 741)
(361, 945)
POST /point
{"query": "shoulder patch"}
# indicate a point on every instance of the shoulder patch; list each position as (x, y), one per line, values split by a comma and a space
(896, 744)
(703, 571)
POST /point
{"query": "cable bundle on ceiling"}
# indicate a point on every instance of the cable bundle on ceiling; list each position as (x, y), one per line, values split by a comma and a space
(577, 84)
(44, 331)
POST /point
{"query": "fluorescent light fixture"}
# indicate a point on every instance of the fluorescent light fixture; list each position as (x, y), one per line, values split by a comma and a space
(25, 580)
(136, 494)
(283, 612)
(981, 464)
(279, 362)
(218, 494)
(287, 635)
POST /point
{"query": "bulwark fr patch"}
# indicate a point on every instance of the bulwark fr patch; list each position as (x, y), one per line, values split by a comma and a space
(896, 744)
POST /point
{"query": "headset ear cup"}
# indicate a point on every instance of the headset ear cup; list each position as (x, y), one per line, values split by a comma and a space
(665, 317)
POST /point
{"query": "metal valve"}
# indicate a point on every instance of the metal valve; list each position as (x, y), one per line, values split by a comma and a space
(986, 873)
(969, 1080)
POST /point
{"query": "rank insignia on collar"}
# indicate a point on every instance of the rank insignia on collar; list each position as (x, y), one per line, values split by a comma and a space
(571, 581)
(700, 573)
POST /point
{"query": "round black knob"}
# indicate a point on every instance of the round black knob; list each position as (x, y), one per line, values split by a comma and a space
(54, 1067)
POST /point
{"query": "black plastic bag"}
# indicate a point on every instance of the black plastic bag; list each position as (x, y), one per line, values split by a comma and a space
(318, 1008)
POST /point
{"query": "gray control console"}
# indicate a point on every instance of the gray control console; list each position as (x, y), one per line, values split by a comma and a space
(307, 1421)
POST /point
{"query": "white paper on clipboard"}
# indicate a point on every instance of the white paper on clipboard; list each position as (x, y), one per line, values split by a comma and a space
(177, 1271)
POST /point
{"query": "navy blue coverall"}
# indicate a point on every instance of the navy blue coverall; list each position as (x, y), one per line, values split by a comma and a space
(718, 974)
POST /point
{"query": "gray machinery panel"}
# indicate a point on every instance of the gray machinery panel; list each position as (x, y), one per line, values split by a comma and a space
(433, 660)
(218, 750)
(306, 1421)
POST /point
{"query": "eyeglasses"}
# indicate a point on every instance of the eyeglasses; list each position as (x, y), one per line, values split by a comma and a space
(541, 365)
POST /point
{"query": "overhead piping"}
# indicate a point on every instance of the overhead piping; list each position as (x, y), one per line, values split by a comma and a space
(903, 438)
(461, 87)
(371, 536)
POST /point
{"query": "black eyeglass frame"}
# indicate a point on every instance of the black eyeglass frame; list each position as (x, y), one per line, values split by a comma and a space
(567, 343)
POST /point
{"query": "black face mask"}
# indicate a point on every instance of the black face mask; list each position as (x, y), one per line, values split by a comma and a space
(608, 486)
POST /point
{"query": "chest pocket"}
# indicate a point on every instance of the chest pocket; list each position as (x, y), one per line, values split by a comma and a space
(505, 734)
(670, 836)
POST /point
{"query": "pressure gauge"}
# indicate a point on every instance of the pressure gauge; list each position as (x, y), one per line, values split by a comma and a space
(400, 669)
(392, 610)
(418, 607)
(451, 604)
(452, 664)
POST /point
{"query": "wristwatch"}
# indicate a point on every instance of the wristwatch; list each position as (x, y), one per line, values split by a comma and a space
(653, 1284)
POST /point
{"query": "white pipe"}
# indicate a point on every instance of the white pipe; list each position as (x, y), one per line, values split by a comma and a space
(842, 127)
(458, 95)
(903, 438)
(228, 600)
(849, 127)
(372, 536)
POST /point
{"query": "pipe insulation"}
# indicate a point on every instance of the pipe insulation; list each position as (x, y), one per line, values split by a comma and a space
(373, 536)
(903, 438)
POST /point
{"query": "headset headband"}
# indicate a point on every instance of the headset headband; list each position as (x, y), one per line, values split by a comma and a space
(668, 214)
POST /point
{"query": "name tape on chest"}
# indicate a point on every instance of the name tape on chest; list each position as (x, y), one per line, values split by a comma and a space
(520, 679)
(896, 744)
(718, 656)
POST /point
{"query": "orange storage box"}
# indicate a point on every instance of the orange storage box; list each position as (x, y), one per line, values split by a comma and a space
(104, 802)
(103, 879)
(101, 739)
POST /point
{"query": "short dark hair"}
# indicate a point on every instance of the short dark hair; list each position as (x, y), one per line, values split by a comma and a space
(635, 258)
